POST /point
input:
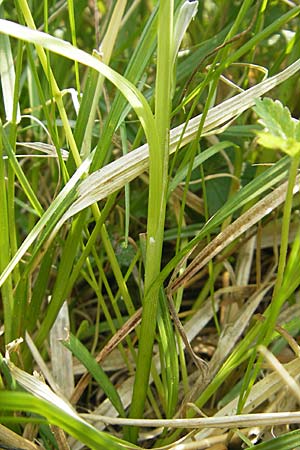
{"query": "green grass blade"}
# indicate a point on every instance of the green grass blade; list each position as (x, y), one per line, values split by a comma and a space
(48, 220)
(199, 159)
(288, 441)
(73, 34)
(251, 191)
(133, 73)
(83, 355)
(94, 85)
(127, 187)
(158, 178)
(65, 49)
(6, 288)
(29, 192)
(71, 423)
(67, 259)
(168, 355)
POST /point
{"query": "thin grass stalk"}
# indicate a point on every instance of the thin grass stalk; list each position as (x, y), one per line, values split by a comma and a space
(287, 209)
(277, 299)
(103, 305)
(52, 82)
(46, 17)
(11, 180)
(87, 248)
(230, 420)
(158, 176)
(12, 137)
(21, 294)
(6, 289)
(95, 83)
(250, 44)
(127, 187)
(74, 39)
(169, 358)
(148, 123)
(52, 127)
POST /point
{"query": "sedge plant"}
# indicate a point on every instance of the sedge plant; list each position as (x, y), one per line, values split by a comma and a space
(131, 176)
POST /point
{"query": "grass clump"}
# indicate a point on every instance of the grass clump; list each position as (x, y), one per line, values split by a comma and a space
(149, 233)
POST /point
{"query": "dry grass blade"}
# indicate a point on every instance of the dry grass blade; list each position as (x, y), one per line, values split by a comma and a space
(128, 326)
(289, 381)
(39, 389)
(228, 339)
(233, 331)
(63, 373)
(45, 150)
(242, 420)
(263, 390)
(232, 232)
(115, 175)
(13, 440)
(43, 368)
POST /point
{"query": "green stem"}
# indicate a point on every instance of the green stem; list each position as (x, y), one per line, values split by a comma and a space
(158, 176)
(273, 311)
(286, 224)
(7, 288)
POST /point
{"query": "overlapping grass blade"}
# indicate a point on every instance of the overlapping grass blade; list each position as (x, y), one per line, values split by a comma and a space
(71, 423)
(82, 354)
(123, 170)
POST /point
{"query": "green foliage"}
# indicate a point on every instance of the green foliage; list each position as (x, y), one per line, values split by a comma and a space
(21, 401)
(283, 132)
(82, 354)
(286, 442)
(130, 173)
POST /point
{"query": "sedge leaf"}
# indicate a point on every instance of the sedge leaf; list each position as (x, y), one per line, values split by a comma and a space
(83, 355)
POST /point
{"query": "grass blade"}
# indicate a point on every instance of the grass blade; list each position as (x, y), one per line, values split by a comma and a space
(82, 354)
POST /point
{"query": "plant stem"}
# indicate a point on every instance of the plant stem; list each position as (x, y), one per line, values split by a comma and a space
(158, 176)
(286, 224)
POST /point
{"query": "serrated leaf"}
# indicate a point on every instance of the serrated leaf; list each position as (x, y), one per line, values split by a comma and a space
(282, 131)
(275, 117)
(289, 146)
